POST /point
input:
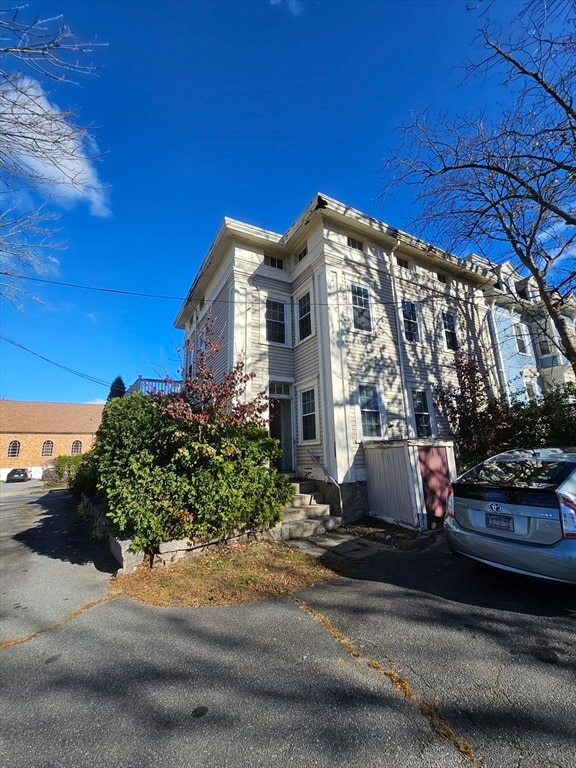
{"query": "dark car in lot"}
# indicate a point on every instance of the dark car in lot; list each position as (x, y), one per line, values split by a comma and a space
(517, 511)
(17, 476)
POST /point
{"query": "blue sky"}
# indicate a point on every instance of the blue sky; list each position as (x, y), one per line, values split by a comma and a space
(241, 108)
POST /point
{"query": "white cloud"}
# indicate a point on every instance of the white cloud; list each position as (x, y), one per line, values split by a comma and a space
(295, 7)
(97, 401)
(91, 316)
(43, 149)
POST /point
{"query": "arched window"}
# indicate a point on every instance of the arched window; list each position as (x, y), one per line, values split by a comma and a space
(14, 449)
(76, 448)
(47, 448)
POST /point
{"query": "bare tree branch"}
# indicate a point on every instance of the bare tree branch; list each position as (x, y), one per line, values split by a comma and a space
(45, 155)
(506, 187)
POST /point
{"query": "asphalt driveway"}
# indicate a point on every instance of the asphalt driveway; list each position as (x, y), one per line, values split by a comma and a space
(421, 660)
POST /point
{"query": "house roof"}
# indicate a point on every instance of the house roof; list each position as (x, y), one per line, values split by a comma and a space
(324, 206)
(21, 416)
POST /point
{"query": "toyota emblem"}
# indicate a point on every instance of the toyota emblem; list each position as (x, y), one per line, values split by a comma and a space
(495, 507)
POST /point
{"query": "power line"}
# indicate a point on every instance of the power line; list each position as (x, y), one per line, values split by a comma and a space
(248, 300)
(58, 365)
(93, 288)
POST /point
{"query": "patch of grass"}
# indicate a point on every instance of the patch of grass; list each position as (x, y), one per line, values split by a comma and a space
(226, 575)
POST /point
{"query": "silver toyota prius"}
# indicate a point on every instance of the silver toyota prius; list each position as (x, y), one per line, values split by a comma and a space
(517, 511)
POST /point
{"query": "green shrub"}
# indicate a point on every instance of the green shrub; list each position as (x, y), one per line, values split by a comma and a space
(64, 471)
(483, 426)
(196, 464)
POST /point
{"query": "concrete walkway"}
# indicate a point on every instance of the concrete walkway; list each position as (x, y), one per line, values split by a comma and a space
(347, 545)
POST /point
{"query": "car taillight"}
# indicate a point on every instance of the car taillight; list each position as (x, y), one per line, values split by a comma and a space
(450, 503)
(568, 514)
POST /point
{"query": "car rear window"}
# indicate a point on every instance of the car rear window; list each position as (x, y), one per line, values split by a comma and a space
(520, 473)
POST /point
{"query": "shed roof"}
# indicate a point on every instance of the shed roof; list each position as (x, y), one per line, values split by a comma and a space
(24, 416)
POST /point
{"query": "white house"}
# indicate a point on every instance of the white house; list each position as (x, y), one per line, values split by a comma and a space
(349, 324)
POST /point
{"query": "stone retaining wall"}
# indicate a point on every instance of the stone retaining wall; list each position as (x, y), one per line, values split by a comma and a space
(169, 551)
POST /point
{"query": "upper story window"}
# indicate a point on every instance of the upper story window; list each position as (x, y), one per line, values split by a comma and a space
(76, 449)
(361, 308)
(521, 336)
(449, 323)
(545, 347)
(402, 263)
(370, 411)
(304, 316)
(358, 245)
(422, 413)
(308, 403)
(47, 448)
(273, 261)
(440, 277)
(189, 362)
(303, 253)
(13, 449)
(410, 318)
(275, 321)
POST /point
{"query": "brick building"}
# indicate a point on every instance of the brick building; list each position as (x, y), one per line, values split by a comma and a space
(32, 434)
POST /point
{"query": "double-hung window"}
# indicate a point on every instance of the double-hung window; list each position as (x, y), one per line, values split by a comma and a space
(308, 406)
(449, 323)
(369, 411)
(304, 316)
(361, 308)
(422, 415)
(275, 321)
(545, 347)
(410, 318)
(521, 335)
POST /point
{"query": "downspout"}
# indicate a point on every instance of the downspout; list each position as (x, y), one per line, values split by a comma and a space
(497, 352)
(399, 337)
(416, 484)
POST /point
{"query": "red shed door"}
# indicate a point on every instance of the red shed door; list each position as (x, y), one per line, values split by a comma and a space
(435, 482)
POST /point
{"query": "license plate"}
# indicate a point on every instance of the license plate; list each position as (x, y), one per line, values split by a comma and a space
(500, 522)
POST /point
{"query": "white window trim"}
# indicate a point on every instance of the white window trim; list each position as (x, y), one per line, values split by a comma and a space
(370, 308)
(419, 323)
(452, 311)
(525, 335)
(381, 411)
(415, 386)
(306, 387)
(281, 299)
(303, 290)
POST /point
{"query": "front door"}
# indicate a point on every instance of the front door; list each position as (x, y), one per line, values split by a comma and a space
(281, 429)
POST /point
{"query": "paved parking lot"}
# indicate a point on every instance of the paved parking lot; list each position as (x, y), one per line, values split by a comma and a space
(421, 659)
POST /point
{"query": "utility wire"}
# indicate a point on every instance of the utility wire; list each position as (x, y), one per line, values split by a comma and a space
(92, 287)
(248, 300)
(64, 367)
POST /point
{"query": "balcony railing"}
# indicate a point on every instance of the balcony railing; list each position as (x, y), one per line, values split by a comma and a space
(154, 386)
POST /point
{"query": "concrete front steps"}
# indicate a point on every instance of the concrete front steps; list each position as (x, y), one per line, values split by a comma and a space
(306, 515)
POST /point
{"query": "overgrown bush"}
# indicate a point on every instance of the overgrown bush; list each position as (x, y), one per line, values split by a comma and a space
(64, 471)
(197, 464)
